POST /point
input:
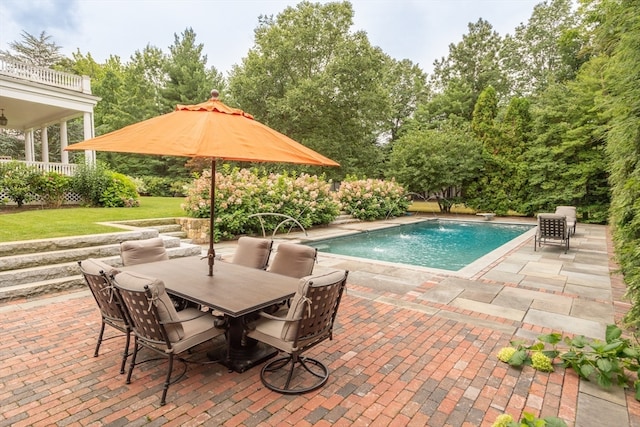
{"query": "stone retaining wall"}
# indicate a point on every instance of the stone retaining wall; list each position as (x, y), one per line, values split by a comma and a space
(197, 229)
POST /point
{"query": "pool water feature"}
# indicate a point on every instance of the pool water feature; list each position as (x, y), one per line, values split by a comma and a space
(446, 245)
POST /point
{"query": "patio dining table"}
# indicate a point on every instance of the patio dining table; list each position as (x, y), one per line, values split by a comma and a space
(235, 290)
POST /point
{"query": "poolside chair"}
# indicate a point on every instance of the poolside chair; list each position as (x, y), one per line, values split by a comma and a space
(570, 213)
(157, 326)
(135, 252)
(253, 252)
(552, 229)
(308, 322)
(96, 273)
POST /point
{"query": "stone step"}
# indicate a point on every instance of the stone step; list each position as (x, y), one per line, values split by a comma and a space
(168, 228)
(52, 257)
(60, 243)
(179, 234)
(49, 269)
(145, 223)
(42, 287)
(34, 267)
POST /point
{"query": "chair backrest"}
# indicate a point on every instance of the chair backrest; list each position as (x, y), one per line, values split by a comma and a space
(568, 211)
(294, 260)
(552, 226)
(149, 308)
(135, 252)
(252, 252)
(96, 273)
(316, 304)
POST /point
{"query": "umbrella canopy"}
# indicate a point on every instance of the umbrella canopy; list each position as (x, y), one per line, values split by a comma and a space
(210, 129)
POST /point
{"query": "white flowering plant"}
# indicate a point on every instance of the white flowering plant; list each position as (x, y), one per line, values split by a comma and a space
(371, 199)
(243, 192)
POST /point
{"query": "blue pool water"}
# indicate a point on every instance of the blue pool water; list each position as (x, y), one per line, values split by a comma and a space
(447, 245)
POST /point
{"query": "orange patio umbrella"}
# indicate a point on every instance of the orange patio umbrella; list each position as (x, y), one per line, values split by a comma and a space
(210, 129)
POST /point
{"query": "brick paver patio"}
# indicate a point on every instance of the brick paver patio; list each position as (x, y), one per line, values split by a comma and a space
(399, 357)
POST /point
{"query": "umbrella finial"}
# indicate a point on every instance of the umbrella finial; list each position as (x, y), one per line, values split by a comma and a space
(215, 94)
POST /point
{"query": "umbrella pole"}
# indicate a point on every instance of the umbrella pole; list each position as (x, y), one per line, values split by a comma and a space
(212, 253)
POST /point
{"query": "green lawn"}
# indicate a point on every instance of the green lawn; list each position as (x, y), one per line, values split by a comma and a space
(47, 223)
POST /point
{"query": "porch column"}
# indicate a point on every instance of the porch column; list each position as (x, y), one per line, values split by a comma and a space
(90, 156)
(45, 144)
(28, 146)
(64, 141)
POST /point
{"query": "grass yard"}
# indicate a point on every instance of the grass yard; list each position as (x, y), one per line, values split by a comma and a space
(432, 207)
(47, 223)
(75, 221)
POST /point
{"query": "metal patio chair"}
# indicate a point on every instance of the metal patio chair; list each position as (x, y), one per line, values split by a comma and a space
(294, 260)
(552, 229)
(135, 252)
(96, 275)
(308, 322)
(253, 252)
(157, 326)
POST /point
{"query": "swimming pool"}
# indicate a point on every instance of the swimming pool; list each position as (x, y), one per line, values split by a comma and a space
(440, 244)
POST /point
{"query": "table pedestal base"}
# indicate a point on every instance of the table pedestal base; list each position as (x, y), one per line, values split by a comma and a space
(245, 358)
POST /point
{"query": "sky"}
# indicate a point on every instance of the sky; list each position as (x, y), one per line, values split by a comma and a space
(418, 30)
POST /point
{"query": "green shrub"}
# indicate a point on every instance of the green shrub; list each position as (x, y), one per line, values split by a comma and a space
(18, 180)
(89, 182)
(99, 186)
(120, 192)
(372, 199)
(51, 187)
(156, 186)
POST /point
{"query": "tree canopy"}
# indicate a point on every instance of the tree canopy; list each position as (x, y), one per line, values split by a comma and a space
(546, 116)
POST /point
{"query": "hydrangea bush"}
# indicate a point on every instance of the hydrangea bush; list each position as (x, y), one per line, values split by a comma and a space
(243, 192)
(371, 199)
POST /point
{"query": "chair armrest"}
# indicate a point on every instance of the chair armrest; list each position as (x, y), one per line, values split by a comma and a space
(186, 320)
(281, 319)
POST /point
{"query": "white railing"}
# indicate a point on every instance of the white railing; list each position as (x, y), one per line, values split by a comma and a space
(11, 68)
(61, 168)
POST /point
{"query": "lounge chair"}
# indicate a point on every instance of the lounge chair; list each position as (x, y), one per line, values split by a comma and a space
(552, 229)
(570, 213)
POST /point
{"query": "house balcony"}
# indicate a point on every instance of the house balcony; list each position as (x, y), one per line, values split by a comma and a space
(35, 98)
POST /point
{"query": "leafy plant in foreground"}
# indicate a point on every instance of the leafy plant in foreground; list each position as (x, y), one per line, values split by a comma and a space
(607, 362)
(528, 420)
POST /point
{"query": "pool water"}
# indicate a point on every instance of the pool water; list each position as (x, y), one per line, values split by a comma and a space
(447, 245)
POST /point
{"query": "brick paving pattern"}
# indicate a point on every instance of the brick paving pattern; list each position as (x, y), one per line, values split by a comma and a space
(389, 366)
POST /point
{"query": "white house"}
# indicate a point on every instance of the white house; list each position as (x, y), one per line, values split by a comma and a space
(33, 98)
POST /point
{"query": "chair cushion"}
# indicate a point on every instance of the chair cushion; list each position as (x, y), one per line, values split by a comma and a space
(142, 251)
(198, 328)
(166, 311)
(299, 304)
(294, 260)
(95, 266)
(252, 252)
